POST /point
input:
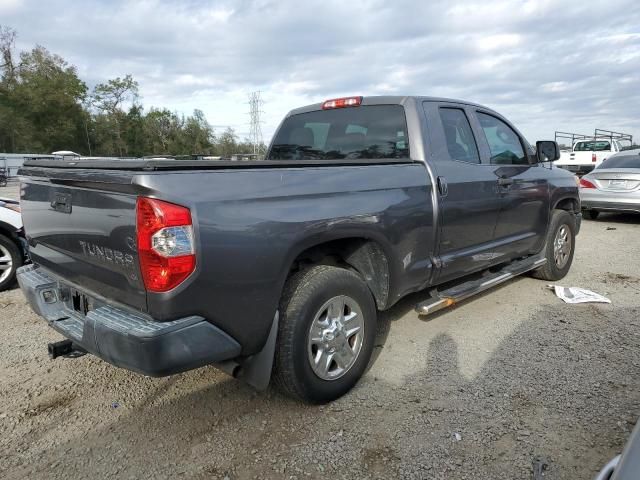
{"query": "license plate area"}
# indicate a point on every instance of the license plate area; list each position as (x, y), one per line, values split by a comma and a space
(618, 184)
(78, 302)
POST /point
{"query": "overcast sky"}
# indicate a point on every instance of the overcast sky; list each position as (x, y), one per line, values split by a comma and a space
(546, 65)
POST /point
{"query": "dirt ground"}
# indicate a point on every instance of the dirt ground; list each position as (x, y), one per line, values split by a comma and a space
(508, 382)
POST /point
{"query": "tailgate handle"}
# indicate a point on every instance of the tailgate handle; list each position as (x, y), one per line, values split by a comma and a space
(61, 202)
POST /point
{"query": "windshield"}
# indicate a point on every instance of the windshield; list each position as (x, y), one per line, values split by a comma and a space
(365, 132)
(623, 161)
(592, 147)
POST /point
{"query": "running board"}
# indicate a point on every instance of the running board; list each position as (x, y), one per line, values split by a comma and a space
(460, 292)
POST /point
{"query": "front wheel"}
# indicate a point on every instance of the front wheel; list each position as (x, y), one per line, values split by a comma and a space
(559, 247)
(326, 335)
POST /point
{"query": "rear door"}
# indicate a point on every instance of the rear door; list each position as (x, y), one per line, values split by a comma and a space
(468, 198)
(523, 189)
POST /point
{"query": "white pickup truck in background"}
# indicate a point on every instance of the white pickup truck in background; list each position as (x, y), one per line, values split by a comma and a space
(589, 151)
(587, 154)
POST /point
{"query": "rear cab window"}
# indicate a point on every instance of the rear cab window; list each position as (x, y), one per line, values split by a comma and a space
(601, 146)
(622, 161)
(362, 132)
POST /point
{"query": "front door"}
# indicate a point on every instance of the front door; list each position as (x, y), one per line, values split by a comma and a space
(523, 190)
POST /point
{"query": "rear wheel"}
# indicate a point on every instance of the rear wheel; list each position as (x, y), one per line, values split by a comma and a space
(10, 260)
(559, 247)
(326, 335)
(590, 214)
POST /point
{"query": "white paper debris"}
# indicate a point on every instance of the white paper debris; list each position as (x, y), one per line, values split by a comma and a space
(578, 295)
(457, 436)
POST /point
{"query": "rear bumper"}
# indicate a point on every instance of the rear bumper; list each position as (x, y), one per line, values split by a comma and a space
(611, 207)
(127, 339)
(610, 201)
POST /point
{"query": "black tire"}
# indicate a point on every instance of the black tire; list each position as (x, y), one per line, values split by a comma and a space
(551, 270)
(304, 296)
(9, 247)
(590, 214)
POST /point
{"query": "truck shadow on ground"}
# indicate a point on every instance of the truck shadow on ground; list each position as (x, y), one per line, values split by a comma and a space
(558, 388)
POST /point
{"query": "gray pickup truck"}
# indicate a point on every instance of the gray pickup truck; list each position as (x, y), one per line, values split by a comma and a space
(278, 268)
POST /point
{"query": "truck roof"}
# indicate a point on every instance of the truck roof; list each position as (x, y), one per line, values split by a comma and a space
(389, 100)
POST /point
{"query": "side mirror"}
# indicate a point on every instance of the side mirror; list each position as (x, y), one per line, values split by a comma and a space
(547, 151)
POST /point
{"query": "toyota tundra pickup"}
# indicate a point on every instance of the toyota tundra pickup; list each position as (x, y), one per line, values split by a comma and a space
(276, 269)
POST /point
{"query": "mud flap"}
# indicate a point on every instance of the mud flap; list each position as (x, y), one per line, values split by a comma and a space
(256, 370)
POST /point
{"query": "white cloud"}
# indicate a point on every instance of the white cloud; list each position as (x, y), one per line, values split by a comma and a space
(10, 6)
(499, 42)
(555, 86)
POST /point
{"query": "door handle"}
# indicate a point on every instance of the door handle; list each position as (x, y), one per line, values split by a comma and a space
(505, 182)
(442, 186)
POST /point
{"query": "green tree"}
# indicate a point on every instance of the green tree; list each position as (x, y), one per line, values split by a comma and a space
(44, 106)
(161, 129)
(108, 98)
(227, 143)
(7, 82)
(198, 136)
(43, 96)
(134, 135)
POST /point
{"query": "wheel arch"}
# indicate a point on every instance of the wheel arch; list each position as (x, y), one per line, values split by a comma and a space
(365, 256)
(10, 232)
(569, 204)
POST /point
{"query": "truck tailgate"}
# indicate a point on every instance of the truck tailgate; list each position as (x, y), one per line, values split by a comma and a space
(85, 232)
(581, 158)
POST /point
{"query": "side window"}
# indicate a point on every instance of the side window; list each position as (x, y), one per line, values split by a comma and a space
(504, 143)
(457, 132)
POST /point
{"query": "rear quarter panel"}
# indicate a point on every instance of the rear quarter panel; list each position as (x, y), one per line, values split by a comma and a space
(251, 224)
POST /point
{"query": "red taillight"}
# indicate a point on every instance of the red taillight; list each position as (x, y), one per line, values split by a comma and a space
(593, 157)
(342, 102)
(165, 243)
(586, 184)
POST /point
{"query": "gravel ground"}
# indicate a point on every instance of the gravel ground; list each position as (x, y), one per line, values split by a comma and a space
(504, 383)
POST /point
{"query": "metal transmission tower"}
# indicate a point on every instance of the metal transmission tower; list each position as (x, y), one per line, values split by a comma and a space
(255, 109)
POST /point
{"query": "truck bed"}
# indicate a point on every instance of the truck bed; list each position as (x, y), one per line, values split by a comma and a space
(250, 220)
(169, 164)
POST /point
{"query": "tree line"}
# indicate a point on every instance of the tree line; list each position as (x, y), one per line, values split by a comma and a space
(45, 107)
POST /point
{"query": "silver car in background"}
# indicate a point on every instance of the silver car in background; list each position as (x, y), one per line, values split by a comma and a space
(613, 186)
